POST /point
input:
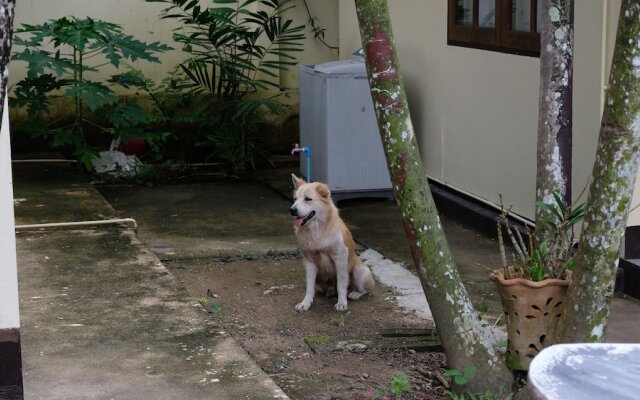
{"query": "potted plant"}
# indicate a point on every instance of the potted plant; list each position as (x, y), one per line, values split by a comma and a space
(533, 288)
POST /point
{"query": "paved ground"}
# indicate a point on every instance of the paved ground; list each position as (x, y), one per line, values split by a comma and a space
(204, 219)
(102, 317)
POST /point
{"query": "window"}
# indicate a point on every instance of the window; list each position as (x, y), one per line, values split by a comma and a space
(508, 26)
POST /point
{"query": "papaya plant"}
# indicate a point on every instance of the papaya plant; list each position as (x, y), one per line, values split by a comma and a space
(61, 54)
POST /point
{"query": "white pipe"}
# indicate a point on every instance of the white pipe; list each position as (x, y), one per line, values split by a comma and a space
(79, 223)
(480, 199)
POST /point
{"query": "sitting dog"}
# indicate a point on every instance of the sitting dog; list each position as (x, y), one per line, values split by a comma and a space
(330, 262)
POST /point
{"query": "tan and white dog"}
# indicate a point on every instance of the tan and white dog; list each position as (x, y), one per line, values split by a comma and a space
(327, 247)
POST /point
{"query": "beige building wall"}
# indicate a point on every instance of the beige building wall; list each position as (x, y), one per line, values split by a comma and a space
(138, 18)
(142, 20)
(475, 111)
(326, 12)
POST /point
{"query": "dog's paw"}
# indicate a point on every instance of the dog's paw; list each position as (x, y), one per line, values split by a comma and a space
(354, 295)
(340, 307)
(303, 306)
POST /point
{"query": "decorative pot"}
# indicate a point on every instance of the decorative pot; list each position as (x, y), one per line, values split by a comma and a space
(532, 310)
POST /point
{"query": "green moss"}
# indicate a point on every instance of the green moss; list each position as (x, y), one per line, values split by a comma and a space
(513, 361)
(600, 319)
(318, 340)
(624, 84)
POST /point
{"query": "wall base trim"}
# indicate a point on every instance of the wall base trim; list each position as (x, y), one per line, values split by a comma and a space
(469, 211)
(11, 365)
(483, 218)
(630, 264)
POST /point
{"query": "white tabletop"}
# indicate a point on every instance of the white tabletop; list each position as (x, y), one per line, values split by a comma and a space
(586, 371)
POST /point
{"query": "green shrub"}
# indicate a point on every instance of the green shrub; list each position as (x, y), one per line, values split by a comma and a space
(236, 48)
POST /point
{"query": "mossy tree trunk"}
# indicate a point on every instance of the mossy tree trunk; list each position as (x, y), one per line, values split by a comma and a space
(611, 189)
(555, 109)
(6, 33)
(465, 340)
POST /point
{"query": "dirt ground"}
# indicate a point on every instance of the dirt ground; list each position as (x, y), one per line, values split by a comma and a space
(319, 354)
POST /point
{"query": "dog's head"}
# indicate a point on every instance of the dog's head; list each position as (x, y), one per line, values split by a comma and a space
(311, 201)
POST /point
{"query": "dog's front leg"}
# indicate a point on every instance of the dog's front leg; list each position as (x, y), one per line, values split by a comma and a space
(311, 271)
(340, 260)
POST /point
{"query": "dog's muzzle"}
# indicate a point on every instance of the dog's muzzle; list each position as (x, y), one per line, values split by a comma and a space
(300, 221)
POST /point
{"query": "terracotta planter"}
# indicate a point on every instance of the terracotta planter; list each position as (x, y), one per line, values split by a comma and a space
(532, 310)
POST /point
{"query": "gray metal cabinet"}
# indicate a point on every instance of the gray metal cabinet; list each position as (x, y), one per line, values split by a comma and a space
(338, 124)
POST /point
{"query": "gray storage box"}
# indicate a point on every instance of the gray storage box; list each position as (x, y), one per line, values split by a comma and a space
(338, 124)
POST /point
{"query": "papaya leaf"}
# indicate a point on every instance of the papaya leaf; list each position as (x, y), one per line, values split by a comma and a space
(93, 94)
(40, 61)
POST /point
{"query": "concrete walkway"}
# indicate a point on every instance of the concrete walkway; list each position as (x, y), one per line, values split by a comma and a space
(101, 318)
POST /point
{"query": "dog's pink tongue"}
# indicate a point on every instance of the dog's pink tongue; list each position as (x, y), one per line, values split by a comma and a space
(297, 222)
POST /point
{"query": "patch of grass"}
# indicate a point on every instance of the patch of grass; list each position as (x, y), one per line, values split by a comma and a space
(462, 377)
(284, 324)
(209, 304)
(482, 306)
(340, 319)
(500, 344)
(318, 340)
(399, 385)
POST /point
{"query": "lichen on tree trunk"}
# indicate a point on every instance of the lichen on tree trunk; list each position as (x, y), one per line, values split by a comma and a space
(465, 340)
(608, 204)
(555, 109)
(6, 34)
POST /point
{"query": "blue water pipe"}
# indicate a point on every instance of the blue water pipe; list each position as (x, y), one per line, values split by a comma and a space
(307, 152)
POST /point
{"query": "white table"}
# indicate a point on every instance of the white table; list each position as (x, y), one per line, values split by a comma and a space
(584, 371)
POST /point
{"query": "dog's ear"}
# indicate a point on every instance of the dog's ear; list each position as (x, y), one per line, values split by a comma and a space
(323, 190)
(297, 182)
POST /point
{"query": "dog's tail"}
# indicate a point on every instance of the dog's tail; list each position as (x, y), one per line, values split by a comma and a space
(370, 283)
(362, 278)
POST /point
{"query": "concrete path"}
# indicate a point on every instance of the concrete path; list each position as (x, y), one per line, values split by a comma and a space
(200, 220)
(101, 318)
